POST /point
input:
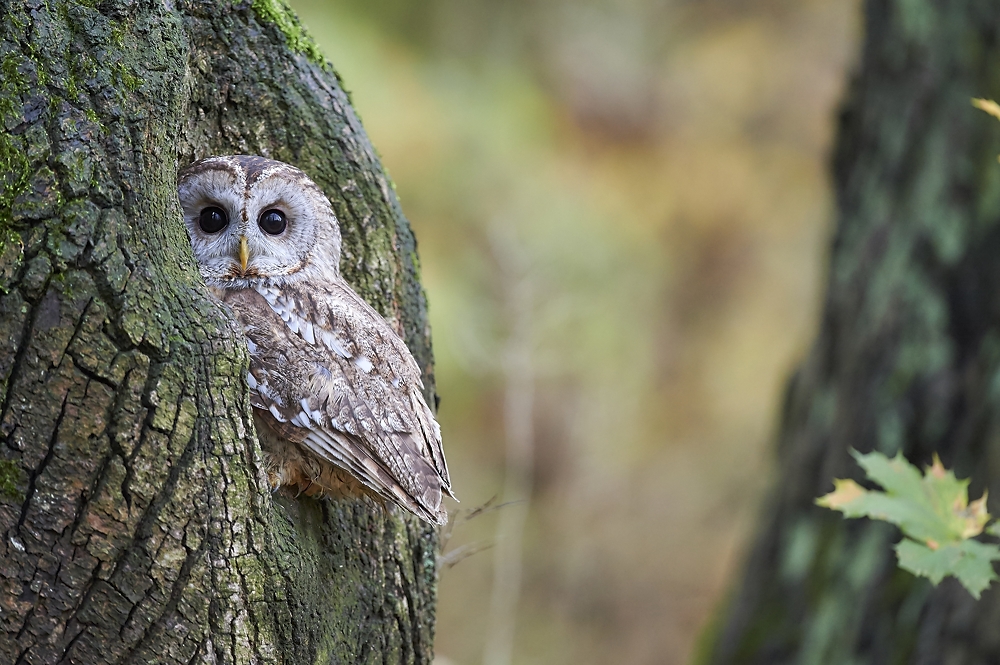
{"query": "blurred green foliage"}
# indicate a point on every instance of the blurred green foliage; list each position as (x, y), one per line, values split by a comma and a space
(659, 166)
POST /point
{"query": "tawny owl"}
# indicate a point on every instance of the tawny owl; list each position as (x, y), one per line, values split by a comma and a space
(337, 397)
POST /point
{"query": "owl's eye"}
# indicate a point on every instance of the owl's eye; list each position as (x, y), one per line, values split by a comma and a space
(272, 221)
(213, 219)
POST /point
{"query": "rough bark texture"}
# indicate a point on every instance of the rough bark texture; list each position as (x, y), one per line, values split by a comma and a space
(136, 525)
(907, 358)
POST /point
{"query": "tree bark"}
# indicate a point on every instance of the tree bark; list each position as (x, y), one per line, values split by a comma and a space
(136, 523)
(907, 357)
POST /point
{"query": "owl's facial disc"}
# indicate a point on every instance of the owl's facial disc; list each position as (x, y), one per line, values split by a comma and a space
(255, 220)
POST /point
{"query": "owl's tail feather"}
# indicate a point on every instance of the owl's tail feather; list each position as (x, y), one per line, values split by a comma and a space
(425, 503)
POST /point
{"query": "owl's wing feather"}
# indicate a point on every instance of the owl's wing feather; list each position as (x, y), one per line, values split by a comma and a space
(328, 365)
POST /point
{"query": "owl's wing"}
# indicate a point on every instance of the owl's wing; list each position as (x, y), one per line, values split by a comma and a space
(327, 364)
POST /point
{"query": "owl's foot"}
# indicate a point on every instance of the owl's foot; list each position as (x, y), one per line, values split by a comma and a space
(294, 482)
(273, 481)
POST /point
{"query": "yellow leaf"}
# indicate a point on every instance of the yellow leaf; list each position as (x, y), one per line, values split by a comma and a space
(987, 105)
(975, 517)
(844, 491)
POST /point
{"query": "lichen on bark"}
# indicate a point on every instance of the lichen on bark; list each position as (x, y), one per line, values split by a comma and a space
(136, 525)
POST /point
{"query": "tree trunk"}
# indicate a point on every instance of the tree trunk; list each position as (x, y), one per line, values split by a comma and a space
(907, 357)
(136, 523)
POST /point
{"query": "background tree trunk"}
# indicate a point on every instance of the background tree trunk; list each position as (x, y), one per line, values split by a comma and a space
(136, 524)
(907, 357)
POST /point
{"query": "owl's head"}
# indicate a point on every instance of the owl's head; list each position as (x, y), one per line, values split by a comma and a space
(255, 220)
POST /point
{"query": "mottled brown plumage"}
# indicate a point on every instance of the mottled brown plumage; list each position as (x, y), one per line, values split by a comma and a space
(337, 397)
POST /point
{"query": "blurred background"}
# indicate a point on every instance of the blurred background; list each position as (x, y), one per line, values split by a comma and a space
(622, 209)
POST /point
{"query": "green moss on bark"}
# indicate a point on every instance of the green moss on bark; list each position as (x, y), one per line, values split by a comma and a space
(11, 479)
(280, 14)
(124, 408)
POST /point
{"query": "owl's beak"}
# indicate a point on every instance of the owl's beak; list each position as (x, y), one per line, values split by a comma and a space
(244, 253)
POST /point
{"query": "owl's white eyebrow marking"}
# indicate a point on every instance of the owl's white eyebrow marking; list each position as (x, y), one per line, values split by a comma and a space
(267, 173)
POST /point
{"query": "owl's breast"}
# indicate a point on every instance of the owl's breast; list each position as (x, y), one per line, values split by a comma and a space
(275, 359)
(307, 372)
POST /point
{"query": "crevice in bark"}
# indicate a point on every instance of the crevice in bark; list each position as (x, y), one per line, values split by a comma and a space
(15, 368)
(158, 539)
(152, 631)
(35, 473)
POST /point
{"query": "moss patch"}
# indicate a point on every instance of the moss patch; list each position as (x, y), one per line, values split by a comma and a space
(10, 478)
(281, 15)
(15, 173)
(124, 75)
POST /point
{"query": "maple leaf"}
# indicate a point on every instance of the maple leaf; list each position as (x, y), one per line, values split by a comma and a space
(932, 510)
(987, 105)
(968, 560)
(845, 492)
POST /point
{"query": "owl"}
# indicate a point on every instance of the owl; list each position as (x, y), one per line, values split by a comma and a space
(337, 398)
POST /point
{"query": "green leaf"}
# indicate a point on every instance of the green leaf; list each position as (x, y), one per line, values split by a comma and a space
(932, 510)
(969, 560)
(896, 475)
(914, 517)
(934, 507)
